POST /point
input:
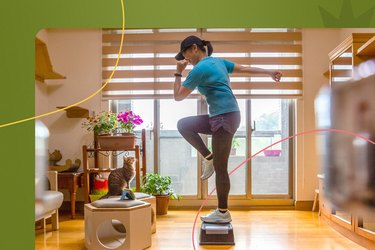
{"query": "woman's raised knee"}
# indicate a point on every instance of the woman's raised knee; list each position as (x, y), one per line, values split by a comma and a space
(182, 125)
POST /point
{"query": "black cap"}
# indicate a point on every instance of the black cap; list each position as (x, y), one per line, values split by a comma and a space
(186, 43)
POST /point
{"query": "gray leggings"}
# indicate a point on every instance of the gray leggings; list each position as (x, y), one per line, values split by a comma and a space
(222, 129)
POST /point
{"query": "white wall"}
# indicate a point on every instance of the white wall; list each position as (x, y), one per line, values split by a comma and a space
(317, 43)
(76, 54)
(41, 90)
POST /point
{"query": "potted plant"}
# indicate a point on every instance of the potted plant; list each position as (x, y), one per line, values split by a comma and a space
(113, 131)
(127, 121)
(235, 145)
(104, 123)
(160, 187)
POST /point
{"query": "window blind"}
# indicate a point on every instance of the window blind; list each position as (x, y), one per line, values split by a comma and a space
(147, 63)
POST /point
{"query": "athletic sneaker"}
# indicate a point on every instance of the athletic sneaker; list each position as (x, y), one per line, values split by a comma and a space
(207, 169)
(217, 217)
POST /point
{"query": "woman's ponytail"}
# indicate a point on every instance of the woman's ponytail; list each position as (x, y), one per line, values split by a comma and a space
(210, 49)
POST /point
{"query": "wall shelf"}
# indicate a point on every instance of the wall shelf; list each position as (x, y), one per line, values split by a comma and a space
(43, 66)
(75, 112)
(367, 49)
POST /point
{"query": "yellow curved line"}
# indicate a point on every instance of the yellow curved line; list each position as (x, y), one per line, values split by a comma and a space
(92, 95)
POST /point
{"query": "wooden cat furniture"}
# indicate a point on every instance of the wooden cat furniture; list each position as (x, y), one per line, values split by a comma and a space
(117, 224)
(152, 200)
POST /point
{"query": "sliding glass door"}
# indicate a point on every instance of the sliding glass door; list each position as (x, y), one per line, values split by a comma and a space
(263, 122)
(270, 170)
(177, 158)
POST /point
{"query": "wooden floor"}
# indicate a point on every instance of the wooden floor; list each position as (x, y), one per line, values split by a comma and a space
(252, 229)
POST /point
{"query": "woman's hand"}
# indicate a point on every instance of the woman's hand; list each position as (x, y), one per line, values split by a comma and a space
(181, 65)
(276, 75)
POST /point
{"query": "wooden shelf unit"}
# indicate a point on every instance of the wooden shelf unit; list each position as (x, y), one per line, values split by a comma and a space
(43, 65)
(75, 112)
(87, 171)
(351, 46)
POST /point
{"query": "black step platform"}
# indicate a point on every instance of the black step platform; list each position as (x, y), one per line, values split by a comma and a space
(216, 234)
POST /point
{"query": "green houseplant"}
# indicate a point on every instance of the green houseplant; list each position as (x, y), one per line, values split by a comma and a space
(161, 187)
(235, 146)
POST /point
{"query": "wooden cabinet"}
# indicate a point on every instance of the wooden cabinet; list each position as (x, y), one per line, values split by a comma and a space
(357, 228)
(324, 206)
(356, 49)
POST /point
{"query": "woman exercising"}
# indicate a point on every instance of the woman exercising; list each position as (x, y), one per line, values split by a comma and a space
(211, 76)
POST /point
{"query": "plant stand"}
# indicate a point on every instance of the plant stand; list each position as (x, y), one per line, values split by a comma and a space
(87, 171)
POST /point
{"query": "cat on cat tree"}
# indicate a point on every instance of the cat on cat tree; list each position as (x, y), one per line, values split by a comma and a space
(120, 178)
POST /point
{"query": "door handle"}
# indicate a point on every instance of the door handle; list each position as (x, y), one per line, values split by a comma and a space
(253, 128)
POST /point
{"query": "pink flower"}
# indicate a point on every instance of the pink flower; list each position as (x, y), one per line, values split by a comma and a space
(128, 120)
(123, 117)
(137, 120)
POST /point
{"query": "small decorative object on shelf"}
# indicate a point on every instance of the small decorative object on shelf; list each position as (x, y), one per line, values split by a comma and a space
(127, 194)
(69, 166)
(100, 183)
(100, 188)
(54, 157)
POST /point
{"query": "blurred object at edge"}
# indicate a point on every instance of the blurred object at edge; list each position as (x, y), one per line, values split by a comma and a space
(348, 162)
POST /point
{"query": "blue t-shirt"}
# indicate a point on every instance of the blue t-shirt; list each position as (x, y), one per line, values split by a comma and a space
(211, 76)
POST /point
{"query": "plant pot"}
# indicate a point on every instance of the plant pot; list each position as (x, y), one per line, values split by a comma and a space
(272, 152)
(94, 197)
(116, 142)
(162, 202)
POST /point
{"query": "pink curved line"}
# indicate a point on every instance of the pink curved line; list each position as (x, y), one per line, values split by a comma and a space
(284, 139)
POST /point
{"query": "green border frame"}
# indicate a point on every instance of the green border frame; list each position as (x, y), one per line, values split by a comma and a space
(21, 20)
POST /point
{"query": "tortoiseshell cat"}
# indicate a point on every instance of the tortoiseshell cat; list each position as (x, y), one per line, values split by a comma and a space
(120, 178)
